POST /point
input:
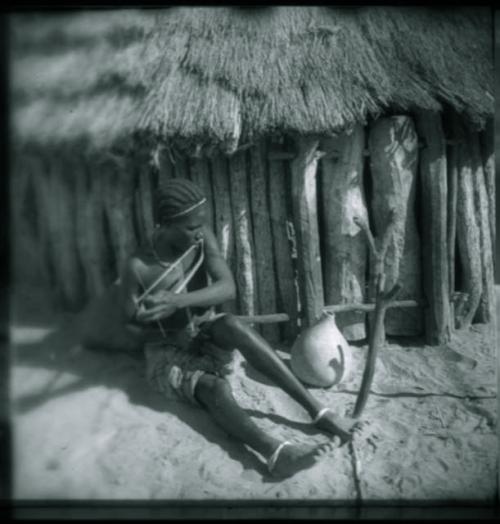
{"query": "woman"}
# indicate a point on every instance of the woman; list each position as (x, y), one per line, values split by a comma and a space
(186, 353)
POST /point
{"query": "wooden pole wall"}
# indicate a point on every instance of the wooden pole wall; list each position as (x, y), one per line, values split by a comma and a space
(200, 174)
(245, 251)
(451, 236)
(89, 224)
(468, 235)
(25, 224)
(304, 201)
(345, 254)
(285, 275)
(487, 138)
(144, 199)
(486, 309)
(63, 226)
(118, 192)
(393, 145)
(181, 166)
(38, 173)
(223, 217)
(262, 237)
(433, 179)
(247, 194)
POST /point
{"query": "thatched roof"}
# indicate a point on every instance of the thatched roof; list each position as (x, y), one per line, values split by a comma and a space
(224, 75)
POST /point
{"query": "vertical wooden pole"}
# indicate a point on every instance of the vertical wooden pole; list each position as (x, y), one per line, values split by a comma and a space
(433, 179)
(245, 271)
(39, 175)
(304, 203)
(118, 195)
(393, 146)
(468, 235)
(223, 218)
(262, 237)
(181, 166)
(486, 309)
(143, 196)
(89, 227)
(287, 295)
(451, 236)
(488, 157)
(345, 253)
(200, 175)
(166, 166)
(27, 268)
(63, 231)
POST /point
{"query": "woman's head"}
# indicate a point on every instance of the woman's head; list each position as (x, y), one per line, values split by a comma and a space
(181, 211)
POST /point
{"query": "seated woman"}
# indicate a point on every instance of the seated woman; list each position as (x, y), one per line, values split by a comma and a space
(183, 352)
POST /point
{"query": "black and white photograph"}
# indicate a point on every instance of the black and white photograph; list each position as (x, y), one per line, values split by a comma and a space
(253, 255)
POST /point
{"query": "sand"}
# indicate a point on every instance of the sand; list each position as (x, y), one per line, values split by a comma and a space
(86, 426)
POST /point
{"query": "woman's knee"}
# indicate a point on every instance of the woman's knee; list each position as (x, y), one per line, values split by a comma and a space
(211, 388)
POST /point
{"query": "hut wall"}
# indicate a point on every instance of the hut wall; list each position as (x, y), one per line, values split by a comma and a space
(393, 146)
(262, 236)
(434, 201)
(86, 224)
(344, 245)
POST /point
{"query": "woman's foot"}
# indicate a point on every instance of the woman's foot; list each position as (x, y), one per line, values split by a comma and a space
(289, 458)
(342, 427)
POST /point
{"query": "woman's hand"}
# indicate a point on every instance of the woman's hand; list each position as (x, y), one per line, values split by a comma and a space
(157, 306)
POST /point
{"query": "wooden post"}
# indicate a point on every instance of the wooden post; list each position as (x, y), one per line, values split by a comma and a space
(451, 236)
(144, 198)
(200, 175)
(88, 213)
(468, 234)
(39, 175)
(166, 166)
(393, 146)
(61, 199)
(245, 271)
(488, 157)
(486, 308)
(285, 275)
(304, 204)
(262, 238)
(433, 180)
(118, 195)
(383, 300)
(345, 253)
(223, 218)
(181, 166)
(27, 262)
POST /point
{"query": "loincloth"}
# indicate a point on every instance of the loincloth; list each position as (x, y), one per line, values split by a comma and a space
(175, 364)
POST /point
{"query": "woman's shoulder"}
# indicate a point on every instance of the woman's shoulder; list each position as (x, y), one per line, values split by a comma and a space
(142, 257)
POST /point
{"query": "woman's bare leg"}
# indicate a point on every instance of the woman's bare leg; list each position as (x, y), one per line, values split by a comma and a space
(215, 395)
(228, 333)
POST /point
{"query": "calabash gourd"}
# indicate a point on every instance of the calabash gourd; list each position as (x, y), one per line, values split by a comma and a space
(321, 356)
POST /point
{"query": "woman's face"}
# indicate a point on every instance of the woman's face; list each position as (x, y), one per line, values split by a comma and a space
(188, 230)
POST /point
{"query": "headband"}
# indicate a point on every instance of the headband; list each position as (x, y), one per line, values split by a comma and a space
(186, 211)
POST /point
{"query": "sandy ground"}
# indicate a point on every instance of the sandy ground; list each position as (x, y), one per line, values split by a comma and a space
(86, 426)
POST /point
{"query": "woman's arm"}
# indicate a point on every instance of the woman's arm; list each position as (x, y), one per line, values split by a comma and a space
(130, 293)
(222, 289)
(129, 290)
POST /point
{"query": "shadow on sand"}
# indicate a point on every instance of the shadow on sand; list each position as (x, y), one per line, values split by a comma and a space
(70, 367)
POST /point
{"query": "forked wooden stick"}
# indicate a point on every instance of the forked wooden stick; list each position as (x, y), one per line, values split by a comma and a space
(382, 302)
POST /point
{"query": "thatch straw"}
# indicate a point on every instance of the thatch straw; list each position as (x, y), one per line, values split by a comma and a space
(223, 75)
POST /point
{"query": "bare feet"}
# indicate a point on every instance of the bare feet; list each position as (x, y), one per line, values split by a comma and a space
(342, 427)
(294, 458)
